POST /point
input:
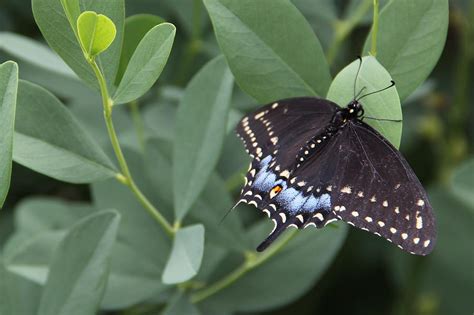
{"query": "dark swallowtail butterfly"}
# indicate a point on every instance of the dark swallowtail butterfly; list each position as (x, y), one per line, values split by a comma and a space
(315, 162)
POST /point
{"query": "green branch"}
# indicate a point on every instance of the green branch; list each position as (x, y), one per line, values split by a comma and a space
(252, 261)
(375, 29)
(344, 28)
(125, 177)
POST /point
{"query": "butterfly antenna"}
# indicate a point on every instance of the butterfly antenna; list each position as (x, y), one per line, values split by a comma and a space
(229, 211)
(386, 88)
(360, 92)
(357, 75)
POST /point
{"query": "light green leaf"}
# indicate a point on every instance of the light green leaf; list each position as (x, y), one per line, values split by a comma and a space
(284, 277)
(58, 32)
(49, 140)
(136, 26)
(410, 40)
(179, 304)
(270, 48)
(186, 255)
(96, 32)
(8, 97)
(146, 64)
(463, 182)
(79, 269)
(383, 105)
(200, 130)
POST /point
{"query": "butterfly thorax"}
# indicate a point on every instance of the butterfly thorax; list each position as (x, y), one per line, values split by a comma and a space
(340, 118)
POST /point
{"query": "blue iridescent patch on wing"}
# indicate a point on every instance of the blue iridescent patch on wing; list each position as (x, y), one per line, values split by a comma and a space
(265, 178)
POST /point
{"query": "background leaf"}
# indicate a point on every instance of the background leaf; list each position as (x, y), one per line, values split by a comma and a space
(383, 105)
(463, 182)
(136, 26)
(270, 48)
(49, 140)
(8, 96)
(19, 296)
(410, 40)
(138, 236)
(79, 269)
(200, 129)
(276, 282)
(186, 255)
(146, 64)
(96, 32)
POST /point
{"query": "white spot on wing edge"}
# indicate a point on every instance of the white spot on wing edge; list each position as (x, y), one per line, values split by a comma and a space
(426, 243)
(346, 190)
(283, 217)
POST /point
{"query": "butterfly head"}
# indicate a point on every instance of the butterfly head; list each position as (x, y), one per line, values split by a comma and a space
(355, 109)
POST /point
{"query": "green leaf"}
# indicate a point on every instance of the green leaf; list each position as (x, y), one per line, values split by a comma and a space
(200, 130)
(179, 304)
(410, 40)
(284, 277)
(8, 96)
(270, 48)
(383, 105)
(186, 255)
(72, 10)
(58, 32)
(78, 274)
(463, 182)
(96, 32)
(146, 64)
(49, 140)
(30, 257)
(136, 26)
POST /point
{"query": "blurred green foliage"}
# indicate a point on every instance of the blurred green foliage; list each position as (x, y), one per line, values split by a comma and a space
(86, 245)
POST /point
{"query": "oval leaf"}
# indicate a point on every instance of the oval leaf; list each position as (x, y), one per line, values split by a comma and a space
(80, 265)
(136, 26)
(8, 95)
(96, 32)
(186, 255)
(49, 140)
(200, 130)
(410, 40)
(270, 48)
(383, 105)
(146, 64)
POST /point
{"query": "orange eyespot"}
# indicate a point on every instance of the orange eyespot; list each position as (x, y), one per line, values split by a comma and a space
(275, 191)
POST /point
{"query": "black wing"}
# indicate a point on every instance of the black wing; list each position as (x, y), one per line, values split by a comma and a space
(371, 186)
(273, 136)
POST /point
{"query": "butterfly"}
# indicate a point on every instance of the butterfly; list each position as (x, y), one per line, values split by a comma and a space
(314, 162)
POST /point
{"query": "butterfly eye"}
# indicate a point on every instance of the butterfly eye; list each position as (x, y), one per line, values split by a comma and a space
(275, 191)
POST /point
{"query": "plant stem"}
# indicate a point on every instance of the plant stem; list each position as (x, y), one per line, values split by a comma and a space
(375, 29)
(138, 123)
(251, 261)
(344, 28)
(126, 177)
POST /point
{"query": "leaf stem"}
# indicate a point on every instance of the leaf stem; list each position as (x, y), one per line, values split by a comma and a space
(251, 261)
(344, 28)
(138, 123)
(126, 177)
(375, 29)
